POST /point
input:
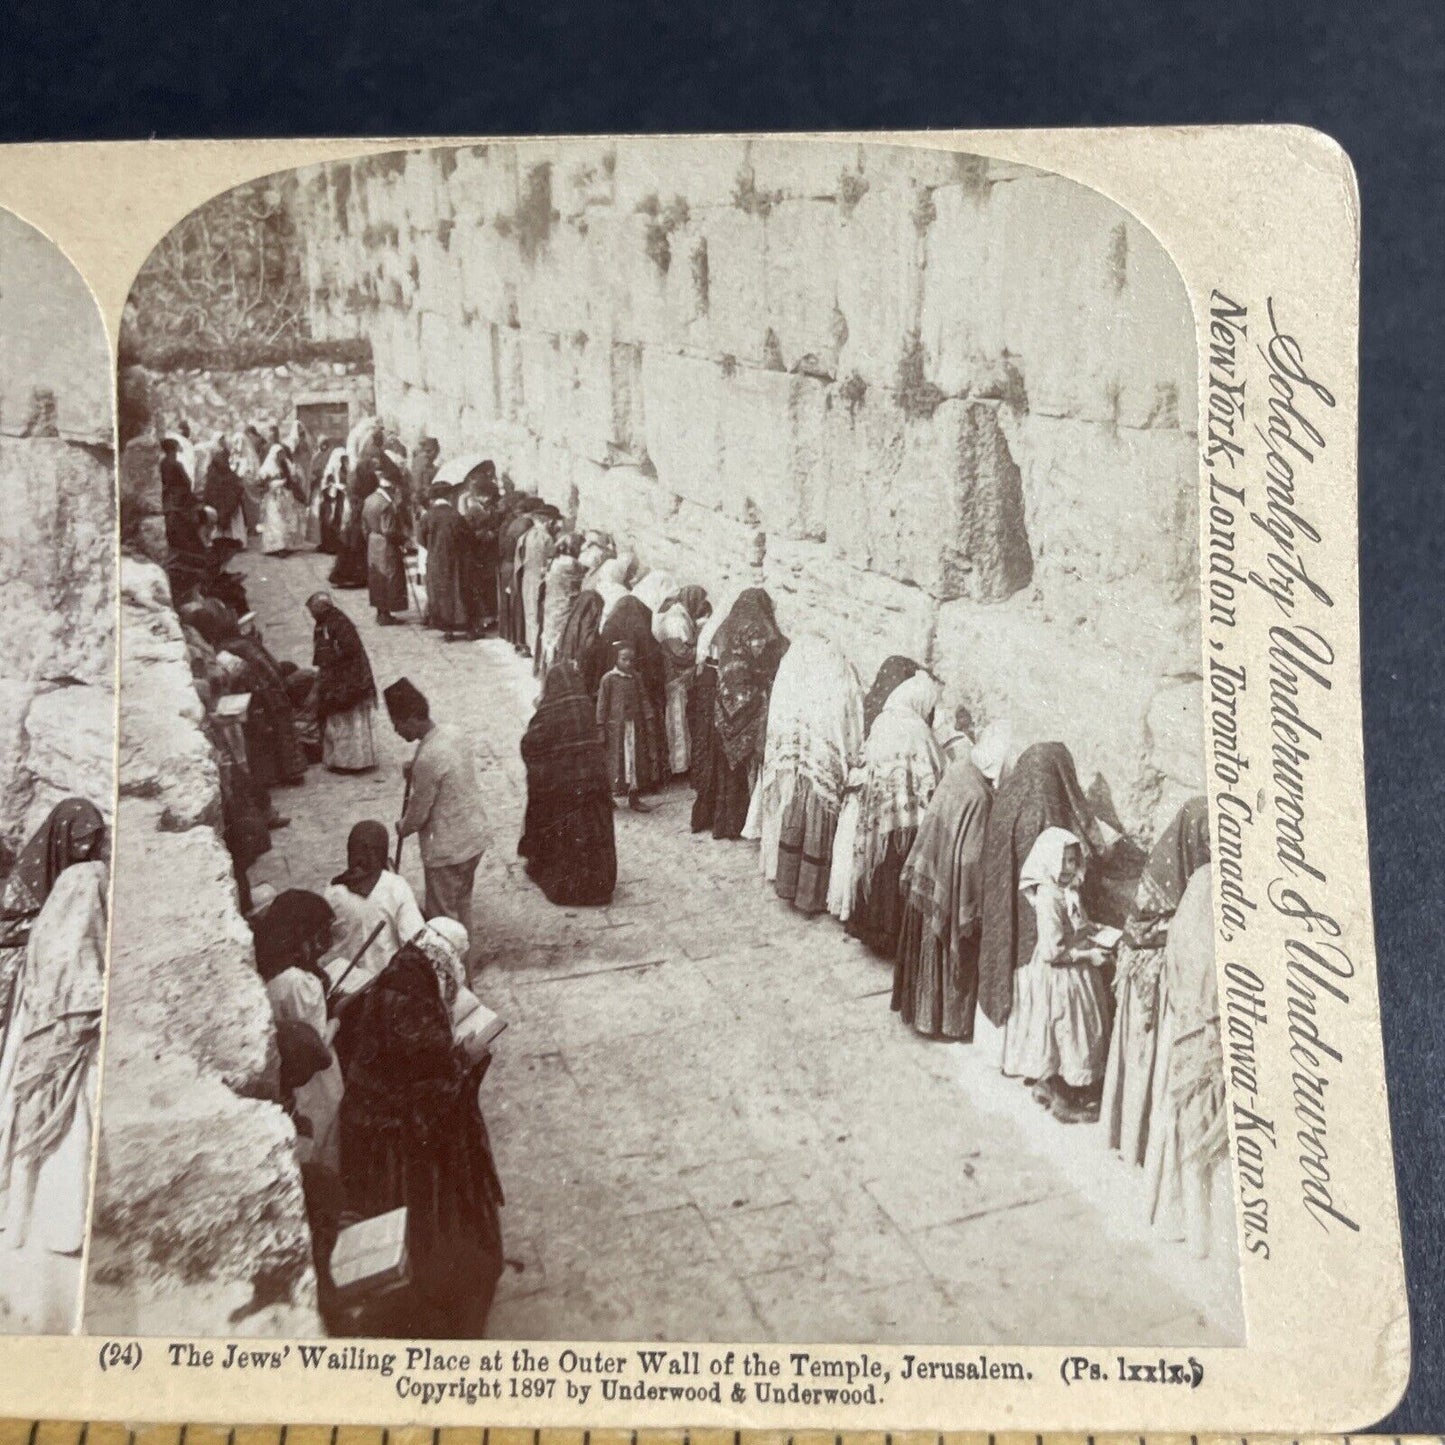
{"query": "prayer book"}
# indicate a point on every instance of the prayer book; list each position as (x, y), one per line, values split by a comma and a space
(370, 1258)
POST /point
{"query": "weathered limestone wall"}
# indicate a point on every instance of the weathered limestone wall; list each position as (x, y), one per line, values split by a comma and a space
(935, 403)
(198, 1196)
(222, 399)
(57, 538)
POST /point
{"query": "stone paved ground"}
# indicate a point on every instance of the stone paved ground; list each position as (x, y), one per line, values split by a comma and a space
(708, 1122)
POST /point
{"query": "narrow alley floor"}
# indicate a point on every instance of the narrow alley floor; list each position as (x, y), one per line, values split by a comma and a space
(708, 1122)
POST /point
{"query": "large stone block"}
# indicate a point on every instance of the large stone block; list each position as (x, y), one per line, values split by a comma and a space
(57, 569)
(1108, 504)
(483, 182)
(935, 500)
(488, 268)
(870, 616)
(1099, 328)
(583, 175)
(702, 169)
(738, 315)
(198, 1208)
(182, 969)
(56, 352)
(684, 439)
(771, 425)
(802, 285)
(69, 750)
(880, 279)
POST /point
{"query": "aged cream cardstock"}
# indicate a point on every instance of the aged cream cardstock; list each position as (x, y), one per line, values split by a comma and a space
(1262, 226)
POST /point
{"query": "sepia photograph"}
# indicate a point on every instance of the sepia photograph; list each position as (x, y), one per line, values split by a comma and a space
(662, 760)
(57, 766)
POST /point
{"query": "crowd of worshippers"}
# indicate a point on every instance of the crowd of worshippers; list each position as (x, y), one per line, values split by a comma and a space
(977, 868)
(370, 993)
(52, 970)
(369, 502)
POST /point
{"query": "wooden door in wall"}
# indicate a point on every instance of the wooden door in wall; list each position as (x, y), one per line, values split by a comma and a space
(325, 419)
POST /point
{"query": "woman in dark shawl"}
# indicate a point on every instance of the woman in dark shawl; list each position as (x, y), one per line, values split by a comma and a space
(1183, 848)
(345, 695)
(630, 625)
(273, 744)
(749, 648)
(567, 836)
(579, 640)
(935, 976)
(350, 567)
(412, 1135)
(222, 491)
(701, 736)
(1041, 791)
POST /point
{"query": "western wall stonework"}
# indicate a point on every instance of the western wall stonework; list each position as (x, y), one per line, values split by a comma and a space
(199, 1223)
(57, 538)
(936, 404)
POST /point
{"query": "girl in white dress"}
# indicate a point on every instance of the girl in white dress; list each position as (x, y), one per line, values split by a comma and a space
(1057, 1035)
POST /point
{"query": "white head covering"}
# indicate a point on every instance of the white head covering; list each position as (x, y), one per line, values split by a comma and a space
(993, 752)
(444, 942)
(1045, 862)
(901, 768)
(452, 933)
(655, 589)
(815, 723)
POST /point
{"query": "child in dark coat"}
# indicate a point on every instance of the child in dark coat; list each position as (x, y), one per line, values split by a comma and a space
(619, 709)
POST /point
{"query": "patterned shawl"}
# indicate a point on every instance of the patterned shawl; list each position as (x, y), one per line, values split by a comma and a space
(815, 725)
(895, 670)
(943, 878)
(69, 835)
(901, 767)
(1041, 791)
(749, 648)
(561, 747)
(343, 673)
(61, 989)
(1183, 847)
(564, 584)
(579, 640)
(1195, 1078)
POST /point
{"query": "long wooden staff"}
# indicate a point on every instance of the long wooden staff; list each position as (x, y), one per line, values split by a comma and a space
(400, 836)
(361, 953)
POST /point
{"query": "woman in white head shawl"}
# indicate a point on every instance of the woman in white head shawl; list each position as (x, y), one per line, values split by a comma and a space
(901, 768)
(1056, 1038)
(332, 503)
(676, 630)
(655, 591)
(609, 585)
(283, 521)
(814, 738)
(994, 752)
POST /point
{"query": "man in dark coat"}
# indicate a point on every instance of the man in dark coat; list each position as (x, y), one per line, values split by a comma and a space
(444, 535)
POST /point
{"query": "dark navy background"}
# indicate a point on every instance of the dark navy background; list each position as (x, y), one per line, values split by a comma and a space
(1372, 74)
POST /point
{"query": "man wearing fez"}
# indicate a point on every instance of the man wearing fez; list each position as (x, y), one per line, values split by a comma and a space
(444, 805)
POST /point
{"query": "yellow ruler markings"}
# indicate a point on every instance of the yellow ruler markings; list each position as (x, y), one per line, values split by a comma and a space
(60, 1432)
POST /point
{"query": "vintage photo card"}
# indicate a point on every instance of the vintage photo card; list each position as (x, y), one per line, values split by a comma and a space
(57, 766)
(740, 797)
